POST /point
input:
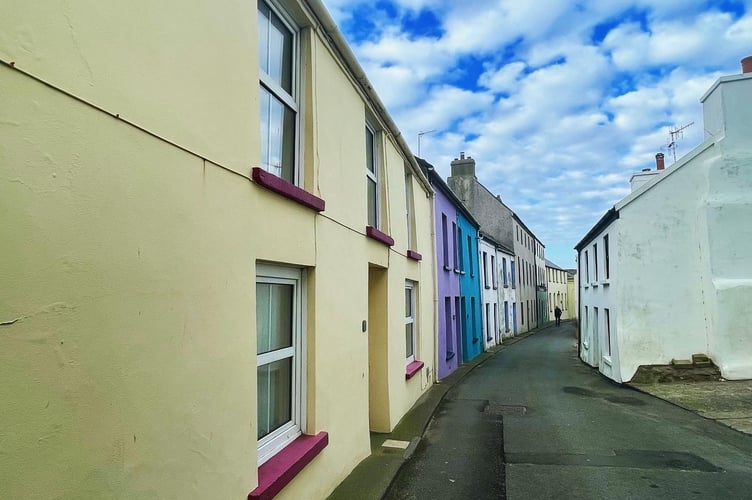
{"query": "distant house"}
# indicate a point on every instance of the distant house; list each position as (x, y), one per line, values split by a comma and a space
(471, 276)
(572, 308)
(558, 294)
(459, 273)
(503, 225)
(221, 272)
(497, 295)
(667, 272)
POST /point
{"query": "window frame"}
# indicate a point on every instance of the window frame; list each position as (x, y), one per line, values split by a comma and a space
(277, 440)
(445, 240)
(494, 279)
(412, 320)
(484, 258)
(454, 247)
(375, 176)
(293, 101)
(409, 210)
(595, 260)
(606, 263)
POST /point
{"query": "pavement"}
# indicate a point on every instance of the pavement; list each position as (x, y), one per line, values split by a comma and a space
(726, 402)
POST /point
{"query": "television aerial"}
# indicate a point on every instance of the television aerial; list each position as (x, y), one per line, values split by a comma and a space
(676, 133)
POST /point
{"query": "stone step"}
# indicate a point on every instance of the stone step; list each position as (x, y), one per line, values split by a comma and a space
(681, 363)
(701, 360)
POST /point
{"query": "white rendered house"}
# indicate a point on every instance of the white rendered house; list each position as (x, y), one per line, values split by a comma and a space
(667, 272)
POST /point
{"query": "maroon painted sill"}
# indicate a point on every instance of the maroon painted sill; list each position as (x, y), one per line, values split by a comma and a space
(412, 254)
(287, 189)
(282, 468)
(413, 368)
(377, 235)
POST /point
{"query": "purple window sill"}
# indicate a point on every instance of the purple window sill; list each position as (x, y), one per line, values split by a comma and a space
(282, 468)
(377, 235)
(412, 368)
(412, 254)
(287, 189)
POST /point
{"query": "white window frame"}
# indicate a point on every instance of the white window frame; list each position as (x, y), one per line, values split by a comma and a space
(409, 209)
(412, 320)
(374, 176)
(271, 444)
(494, 279)
(292, 101)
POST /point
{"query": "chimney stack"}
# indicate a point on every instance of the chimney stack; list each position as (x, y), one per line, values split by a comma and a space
(463, 166)
(659, 162)
(747, 64)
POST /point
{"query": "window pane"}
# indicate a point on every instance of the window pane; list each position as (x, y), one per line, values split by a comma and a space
(275, 48)
(277, 136)
(409, 340)
(274, 396)
(263, 35)
(274, 316)
(372, 206)
(408, 303)
(370, 159)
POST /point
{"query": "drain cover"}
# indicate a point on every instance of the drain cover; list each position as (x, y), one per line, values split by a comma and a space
(499, 409)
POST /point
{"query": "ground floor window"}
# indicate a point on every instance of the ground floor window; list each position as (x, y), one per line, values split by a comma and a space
(279, 357)
(410, 290)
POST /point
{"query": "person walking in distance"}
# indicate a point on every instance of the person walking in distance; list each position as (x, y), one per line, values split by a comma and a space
(557, 314)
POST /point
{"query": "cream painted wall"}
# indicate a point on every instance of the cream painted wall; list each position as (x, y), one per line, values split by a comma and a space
(557, 283)
(135, 60)
(128, 338)
(130, 369)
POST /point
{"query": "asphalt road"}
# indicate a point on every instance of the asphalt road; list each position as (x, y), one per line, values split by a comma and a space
(533, 422)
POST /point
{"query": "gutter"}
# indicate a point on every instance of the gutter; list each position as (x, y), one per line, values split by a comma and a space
(340, 45)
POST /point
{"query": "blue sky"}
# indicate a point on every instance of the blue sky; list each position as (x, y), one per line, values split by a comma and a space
(559, 102)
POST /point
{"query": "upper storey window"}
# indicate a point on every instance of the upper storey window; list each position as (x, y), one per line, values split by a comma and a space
(278, 56)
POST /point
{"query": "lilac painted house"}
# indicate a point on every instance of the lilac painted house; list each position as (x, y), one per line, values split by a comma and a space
(447, 211)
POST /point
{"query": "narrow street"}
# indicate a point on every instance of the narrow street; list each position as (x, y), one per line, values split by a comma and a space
(533, 422)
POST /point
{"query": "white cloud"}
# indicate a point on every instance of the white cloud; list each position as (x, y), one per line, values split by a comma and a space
(557, 125)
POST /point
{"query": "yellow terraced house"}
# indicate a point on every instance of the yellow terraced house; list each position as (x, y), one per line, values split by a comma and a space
(217, 265)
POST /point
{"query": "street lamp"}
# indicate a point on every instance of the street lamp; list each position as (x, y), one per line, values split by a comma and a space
(421, 134)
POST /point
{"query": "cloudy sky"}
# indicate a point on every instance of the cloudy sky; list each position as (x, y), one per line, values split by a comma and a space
(559, 102)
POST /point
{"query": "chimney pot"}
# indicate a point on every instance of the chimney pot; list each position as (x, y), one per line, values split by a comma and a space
(747, 64)
(462, 155)
(646, 170)
(659, 162)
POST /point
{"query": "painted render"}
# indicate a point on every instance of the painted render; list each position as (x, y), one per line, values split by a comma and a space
(489, 293)
(682, 275)
(507, 289)
(128, 329)
(470, 286)
(449, 336)
(556, 278)
(572, 307)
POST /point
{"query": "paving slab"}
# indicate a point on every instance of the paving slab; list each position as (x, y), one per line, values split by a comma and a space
(727, 401)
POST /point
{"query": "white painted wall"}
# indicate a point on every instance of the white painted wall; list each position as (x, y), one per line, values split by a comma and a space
(507, 294)
(681, 279)
(600, 295)
(489, 286)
